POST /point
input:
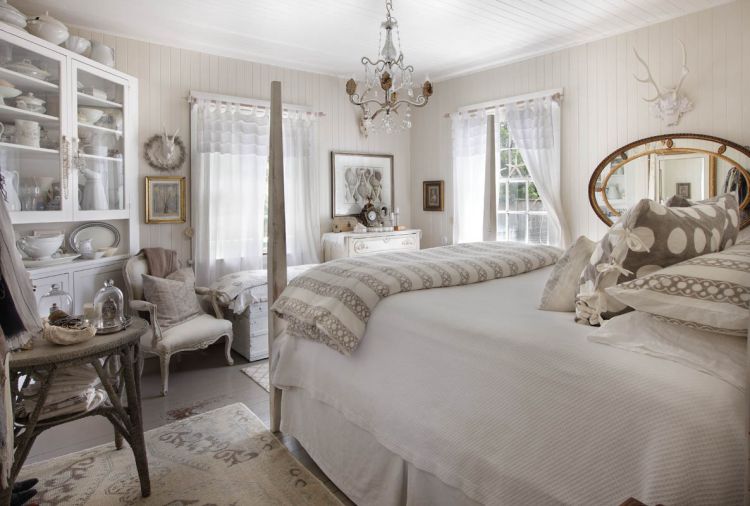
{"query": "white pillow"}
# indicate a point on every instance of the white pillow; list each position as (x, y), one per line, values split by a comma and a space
(562, 286)
(719, 355)
(709, 292)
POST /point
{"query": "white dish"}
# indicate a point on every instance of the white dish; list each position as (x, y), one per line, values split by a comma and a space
(55, 260)
(102, 235)
(6, 92)
(48, 28)
(89, 115)
(27, 68)
(103, 54)
(40, 247)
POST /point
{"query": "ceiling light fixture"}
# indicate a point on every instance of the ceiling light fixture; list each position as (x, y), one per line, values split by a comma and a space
(388, 86)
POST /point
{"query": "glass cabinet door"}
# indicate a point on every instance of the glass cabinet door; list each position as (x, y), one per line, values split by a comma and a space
(100, 186)
(33, 112)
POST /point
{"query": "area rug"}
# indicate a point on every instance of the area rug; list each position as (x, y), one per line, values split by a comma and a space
(220, 457)
(259, 374)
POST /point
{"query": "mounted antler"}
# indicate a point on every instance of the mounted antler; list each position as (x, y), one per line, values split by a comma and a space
(668, 105)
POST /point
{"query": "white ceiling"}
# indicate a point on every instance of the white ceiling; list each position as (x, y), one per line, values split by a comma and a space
(443, 38)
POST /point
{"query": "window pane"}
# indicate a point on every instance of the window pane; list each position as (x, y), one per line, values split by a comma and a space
(504, 160)
(517, 167)
(502, 218)
(501, 196)
(517, 197)
(517, 227)
(535, 201)
(538, 228)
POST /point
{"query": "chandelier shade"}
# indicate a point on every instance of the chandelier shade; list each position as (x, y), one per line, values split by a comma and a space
(388, 91)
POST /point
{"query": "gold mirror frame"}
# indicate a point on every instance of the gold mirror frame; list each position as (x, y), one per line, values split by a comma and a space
(668, 148)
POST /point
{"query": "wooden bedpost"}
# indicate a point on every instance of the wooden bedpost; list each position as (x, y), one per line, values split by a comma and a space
(276, 257)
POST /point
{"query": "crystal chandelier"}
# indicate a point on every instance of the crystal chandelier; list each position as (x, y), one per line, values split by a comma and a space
(389, 92)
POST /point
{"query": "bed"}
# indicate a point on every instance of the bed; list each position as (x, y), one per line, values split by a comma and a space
(471, 395)
(449, 400)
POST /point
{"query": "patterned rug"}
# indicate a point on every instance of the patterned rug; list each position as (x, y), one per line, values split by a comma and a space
(222, 457)
(259, 374)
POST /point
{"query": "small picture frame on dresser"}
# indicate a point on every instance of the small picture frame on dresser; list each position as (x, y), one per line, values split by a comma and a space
(433, 195)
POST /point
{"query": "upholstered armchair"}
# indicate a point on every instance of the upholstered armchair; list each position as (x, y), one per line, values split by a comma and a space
(193, 334)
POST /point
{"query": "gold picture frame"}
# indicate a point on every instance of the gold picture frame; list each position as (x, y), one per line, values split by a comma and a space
(165, 199)
(433, 195)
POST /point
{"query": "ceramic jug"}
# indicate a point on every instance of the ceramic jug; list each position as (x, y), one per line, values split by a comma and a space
(12, 200)
(86, 248)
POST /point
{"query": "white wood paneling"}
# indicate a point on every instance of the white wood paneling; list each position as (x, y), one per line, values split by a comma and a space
(441, 37)
(602, 108)
(166, 75)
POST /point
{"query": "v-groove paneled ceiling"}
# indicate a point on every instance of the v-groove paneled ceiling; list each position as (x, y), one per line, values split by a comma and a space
(442, 38)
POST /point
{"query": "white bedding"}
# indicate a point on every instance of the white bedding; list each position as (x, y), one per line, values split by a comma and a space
(512, 405)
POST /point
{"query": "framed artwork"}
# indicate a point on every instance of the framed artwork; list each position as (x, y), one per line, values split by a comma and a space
(682, 190)
(165, 199)
(357, 176)
(433, 195)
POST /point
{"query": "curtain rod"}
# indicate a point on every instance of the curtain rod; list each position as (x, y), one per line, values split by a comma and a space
(248, 102)
(555, 94)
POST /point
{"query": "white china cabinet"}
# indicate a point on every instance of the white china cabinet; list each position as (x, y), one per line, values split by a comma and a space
(68, 152)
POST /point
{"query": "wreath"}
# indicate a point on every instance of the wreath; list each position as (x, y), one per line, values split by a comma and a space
(153, 152)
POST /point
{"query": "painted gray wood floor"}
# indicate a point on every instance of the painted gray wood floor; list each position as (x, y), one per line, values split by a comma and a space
(198, 381)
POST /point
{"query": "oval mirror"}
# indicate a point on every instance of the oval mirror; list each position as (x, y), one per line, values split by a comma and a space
(668, 167)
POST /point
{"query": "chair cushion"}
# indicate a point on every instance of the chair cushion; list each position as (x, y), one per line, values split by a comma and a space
(189, 335)
(174, 297)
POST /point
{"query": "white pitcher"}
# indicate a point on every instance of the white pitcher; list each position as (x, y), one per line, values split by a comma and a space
(13, 202)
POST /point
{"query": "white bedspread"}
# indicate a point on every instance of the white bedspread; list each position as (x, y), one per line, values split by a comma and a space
(513, 405)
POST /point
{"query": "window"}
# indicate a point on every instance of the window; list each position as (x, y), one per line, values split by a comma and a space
(521, 215)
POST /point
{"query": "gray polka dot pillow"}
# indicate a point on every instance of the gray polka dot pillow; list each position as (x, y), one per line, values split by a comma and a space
(647, 238)
(710, 292)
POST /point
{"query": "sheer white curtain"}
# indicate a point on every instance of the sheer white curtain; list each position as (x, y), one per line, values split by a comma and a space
(229, 165)
(535, 128)
(469, 133)
(301, 189)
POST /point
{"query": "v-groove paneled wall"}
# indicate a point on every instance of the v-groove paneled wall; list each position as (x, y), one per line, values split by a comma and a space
(602, 108)
(166, 75)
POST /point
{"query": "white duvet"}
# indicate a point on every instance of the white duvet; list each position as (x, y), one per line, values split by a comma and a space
(512, 405)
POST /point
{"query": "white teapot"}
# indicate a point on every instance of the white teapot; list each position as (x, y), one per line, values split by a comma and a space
(11, 178)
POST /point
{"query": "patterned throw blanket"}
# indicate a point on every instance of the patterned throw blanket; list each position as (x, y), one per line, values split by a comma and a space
(332, 302)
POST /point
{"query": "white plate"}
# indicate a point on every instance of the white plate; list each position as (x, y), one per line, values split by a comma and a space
(102, 235)
(56, 260)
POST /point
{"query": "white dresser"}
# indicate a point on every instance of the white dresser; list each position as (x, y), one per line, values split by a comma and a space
(348, 244)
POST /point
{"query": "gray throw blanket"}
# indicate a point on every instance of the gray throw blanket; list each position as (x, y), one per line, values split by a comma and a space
(332, 302)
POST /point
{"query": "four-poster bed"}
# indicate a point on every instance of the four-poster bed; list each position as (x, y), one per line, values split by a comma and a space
(470, 395)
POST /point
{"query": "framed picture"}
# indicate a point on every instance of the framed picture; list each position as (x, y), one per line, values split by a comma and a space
(357, 176)
(682, 190)
(433, 195)
(165, 199)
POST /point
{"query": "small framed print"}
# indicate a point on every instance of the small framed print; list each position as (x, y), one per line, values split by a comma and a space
(433, 195)
(682, 190)
(165, 199)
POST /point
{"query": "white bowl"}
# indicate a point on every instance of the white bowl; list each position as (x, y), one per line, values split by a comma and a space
(89, 115)
(40, 247)
(6, 92)
(78, 44)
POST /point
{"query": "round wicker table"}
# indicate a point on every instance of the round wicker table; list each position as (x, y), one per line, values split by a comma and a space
(116, 359)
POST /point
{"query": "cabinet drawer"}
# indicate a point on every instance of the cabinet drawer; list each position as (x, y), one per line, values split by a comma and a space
(369, 245)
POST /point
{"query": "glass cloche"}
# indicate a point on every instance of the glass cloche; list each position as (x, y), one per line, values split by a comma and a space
(54, 300)
(109, 304)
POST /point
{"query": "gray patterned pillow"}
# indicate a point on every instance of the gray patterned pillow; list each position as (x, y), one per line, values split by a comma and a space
(709, 292)
(174, 297)
(561, 287)
(647, 238)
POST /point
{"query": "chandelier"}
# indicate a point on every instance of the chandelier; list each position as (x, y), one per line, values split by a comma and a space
(389, 91)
